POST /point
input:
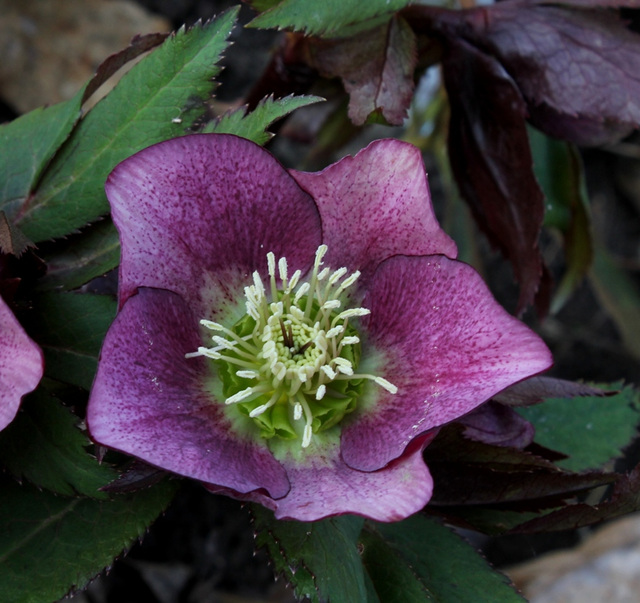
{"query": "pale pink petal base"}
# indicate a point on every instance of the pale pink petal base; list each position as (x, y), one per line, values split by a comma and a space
(449, 347)
(375, 205)
(151, 402)
(327, 486)
(21, 365)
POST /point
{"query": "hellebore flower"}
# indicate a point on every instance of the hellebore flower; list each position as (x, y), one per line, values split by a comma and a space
(294, 338)
(21, 365)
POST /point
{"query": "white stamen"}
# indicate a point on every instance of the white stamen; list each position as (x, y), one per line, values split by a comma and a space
(352, 312)
(347, 282)
(335, 331)
(258, 284)
(271, 264)
(332, 304)
(293, 281)
(213, 326)
(337, 275)
(323, 273)
(297, 411)
(240, 396)
(282, 268)
(264, 407)
(390, 387)
(302, 291)
(321, 391)
(320, 253)
(328, 371)
(281, 373)
(248, 374)
(223, 343)
(306, 436)
(350, 340)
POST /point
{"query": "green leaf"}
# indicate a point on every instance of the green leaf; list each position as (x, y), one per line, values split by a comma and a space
(44, 445)
(329, 18)
(79, 258)
(27, 144)
(254, 125)
(320, 559)
(51, 544)
(559, 170)
(70, 328)
(418, 559)
(590, 430)
(160, 98)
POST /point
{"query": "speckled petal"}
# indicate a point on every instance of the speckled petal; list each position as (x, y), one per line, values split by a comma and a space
(449, 346)
(21, 365)
(151, 402)
(375, 205)
(197, 215)
(327, 487)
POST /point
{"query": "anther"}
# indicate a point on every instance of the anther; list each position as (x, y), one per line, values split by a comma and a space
(282, 268)
(240, 396)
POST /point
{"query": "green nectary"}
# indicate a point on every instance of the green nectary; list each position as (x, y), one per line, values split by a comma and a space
(290, 363)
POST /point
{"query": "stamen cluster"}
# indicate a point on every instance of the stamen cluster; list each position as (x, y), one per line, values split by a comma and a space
(299, 348)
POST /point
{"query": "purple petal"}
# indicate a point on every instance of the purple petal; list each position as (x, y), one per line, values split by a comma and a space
(327, 486)
(197, 215)
(21, 365)
(449, 347)
(375, 205)
(151, 402)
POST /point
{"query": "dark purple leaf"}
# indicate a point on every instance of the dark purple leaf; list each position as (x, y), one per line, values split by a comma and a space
(499, 425)
(587, 3)
(491, 159)
(624, 499)
(459, 484)
(579, 70)
(451, 446)
(137, 476)
(467, 472)
(537, 389)
(376, 68)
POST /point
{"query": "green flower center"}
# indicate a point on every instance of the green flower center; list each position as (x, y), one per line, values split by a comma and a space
(290, 363)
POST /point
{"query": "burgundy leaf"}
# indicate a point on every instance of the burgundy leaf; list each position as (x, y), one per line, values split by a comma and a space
(536, 389)
(588, 3)
(460, 484)
(470, 472)
(137, 476)
(579, 70)
(376, 68)
(625, 499)
(491, 159)
(453, 447)
(494, 423)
